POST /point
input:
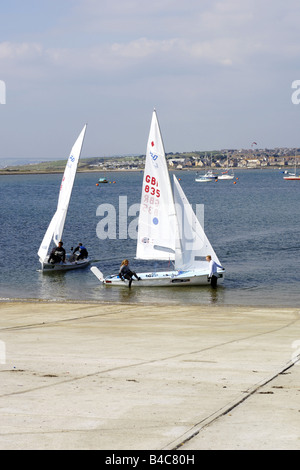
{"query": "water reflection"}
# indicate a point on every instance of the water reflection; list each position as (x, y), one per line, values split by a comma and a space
(216, 294)
(52, 286)
(161, 295)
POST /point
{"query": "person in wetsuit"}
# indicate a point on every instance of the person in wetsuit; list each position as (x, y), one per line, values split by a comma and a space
(126, 273)
(83, 253)
(58, 254)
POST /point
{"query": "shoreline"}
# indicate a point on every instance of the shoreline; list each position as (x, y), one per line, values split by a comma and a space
(81, 375)
(145, 303)
(182, 170)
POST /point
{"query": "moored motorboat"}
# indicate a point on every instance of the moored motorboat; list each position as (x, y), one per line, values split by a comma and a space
(226, 176)
(207, 177)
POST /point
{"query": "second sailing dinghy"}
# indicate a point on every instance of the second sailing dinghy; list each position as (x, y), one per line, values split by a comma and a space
(56, 226)
(168, 228)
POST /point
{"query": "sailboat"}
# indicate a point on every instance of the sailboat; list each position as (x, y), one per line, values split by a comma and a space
(227, 174)
(168, 228)
(56, 226)
(293, 176)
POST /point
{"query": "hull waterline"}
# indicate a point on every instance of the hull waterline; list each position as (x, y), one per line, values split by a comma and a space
(67, 266)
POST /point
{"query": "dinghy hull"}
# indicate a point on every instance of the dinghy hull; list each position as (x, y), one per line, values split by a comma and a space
(165, 279)
(67, 266)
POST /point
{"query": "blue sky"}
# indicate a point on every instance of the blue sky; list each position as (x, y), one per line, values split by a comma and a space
(219, 74)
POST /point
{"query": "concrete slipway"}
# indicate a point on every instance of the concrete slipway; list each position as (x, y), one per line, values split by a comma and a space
(119, 377)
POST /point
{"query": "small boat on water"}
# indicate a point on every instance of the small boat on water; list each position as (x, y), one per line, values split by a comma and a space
(168, 229)
(207, 177)
(292, 176)
(226, 176)
(56, 226)
(102, 180)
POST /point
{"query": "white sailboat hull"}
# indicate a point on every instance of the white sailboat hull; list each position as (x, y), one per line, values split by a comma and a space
(164, 279)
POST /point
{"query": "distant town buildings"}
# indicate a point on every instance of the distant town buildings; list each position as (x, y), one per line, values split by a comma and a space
(197, 160)
(257, 158)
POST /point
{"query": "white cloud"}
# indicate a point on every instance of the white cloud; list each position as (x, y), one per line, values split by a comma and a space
(194, 33)
(19, 51)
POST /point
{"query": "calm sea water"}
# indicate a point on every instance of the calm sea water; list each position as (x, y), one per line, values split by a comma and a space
(253, 225)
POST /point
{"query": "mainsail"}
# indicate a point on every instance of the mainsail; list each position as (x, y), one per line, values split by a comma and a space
(157, 219)
(56, 226)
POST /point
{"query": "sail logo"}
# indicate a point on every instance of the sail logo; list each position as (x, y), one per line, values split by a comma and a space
(62, 182)
(2, 92)
(71, 161)
(154, 159)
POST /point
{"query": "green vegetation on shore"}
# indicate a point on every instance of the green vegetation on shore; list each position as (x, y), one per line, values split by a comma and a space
(197, 160)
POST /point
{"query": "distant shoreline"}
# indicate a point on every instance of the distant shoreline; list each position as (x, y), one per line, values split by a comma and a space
(58, 172)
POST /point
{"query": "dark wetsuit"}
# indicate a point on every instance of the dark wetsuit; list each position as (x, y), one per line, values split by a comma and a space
(83, 253)
(57, 255)
(126, 273)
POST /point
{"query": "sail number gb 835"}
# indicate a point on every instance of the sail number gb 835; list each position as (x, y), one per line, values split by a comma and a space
(152, 186)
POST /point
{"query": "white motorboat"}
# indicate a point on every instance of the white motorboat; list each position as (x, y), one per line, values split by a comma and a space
(207, 177)
(168, 228)
(56, 226)
(226, 176)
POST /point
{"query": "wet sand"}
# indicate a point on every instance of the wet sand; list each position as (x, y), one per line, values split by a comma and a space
(131, 377)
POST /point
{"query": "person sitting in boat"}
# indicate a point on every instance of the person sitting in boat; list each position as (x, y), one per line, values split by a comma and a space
(58, 254)
(126, 273)
(213, 271)
(83, 253)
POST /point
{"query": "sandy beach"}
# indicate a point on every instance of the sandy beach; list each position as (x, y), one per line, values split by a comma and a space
(120, 377)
